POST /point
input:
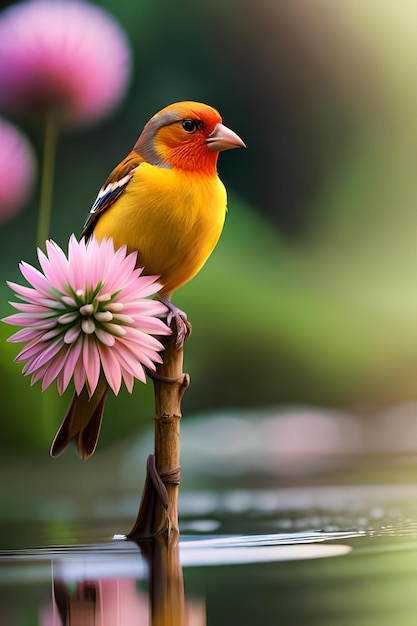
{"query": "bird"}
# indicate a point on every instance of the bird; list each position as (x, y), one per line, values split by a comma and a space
(165, 201)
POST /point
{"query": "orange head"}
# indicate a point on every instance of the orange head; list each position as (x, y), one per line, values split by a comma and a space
(186, 135)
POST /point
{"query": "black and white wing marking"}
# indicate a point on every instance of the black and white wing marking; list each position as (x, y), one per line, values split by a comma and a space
(111, 190)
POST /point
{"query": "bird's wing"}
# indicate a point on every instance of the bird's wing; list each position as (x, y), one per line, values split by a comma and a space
(111, 190)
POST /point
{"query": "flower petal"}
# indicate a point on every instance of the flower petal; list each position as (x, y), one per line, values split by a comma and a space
(91, 362)
(111, 367)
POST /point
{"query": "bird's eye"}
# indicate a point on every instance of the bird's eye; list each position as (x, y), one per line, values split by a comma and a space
(190, 126)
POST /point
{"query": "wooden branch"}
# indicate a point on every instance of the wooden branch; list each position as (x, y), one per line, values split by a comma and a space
(158, 512)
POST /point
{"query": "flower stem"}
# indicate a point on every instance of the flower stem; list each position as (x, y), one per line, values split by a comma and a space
(47, 180)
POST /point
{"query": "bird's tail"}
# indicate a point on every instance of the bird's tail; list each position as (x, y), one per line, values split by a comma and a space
(82, 422)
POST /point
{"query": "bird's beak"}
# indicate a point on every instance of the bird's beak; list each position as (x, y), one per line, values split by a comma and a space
(222, 138)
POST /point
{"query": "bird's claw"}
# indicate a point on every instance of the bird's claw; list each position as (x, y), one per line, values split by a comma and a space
(182, 325)
(183, 330)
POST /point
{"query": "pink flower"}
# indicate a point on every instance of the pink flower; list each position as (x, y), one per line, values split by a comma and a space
(17, 170)
(86, 314)
(65, 56)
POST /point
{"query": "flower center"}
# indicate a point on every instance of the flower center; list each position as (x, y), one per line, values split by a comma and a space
(92, 313)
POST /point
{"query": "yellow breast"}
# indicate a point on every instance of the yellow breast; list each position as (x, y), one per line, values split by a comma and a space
(172, 218)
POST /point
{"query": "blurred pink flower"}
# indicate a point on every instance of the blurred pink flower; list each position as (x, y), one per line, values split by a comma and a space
(17, 170)
(66, 56)
(86, 314)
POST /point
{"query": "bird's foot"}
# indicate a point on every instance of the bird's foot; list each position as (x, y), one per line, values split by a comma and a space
(183, 326)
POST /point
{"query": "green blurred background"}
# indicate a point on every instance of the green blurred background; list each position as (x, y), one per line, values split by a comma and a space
(310, 295)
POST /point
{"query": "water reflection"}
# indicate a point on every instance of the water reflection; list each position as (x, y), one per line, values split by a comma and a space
(280, 578)
(166, 585)
(108, 602)
(117, 601)
(126, 583)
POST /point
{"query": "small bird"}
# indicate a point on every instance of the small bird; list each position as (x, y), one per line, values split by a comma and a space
(165, 201)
